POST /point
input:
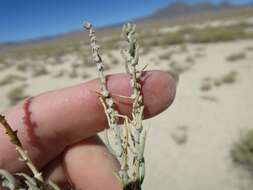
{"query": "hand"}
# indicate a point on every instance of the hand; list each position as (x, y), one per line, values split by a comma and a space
(59, 128)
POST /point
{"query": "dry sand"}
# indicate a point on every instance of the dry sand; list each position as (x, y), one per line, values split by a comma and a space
(203, 161)
(188, 145)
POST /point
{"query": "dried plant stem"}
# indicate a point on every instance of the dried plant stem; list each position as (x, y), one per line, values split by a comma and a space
(23, 156)
(109, 104)
(126, 142)
(131, 55)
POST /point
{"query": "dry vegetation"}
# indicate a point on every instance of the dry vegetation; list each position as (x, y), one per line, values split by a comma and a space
(242, 151)
(236, 57)
(10, 79)
(228, 78)
(16, 94)
(203, 35)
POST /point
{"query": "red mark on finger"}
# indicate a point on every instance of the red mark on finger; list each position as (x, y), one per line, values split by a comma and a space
(30, 125)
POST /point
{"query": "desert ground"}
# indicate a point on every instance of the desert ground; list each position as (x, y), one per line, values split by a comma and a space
(189, 145)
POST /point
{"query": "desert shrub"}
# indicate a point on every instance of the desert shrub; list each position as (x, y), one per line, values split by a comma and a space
(183, 47)
(175, 67)
(218, 34)
(114, 61)
(242, 24)
(73, 73)
(179, 68)
(40, 51)
(16, 94)
(60, 73)
(217, 82)
(165, 56)
(195, 35)
(2, 59)
(208, 79)
(172, 38)
(236, 56)
(169, 38)
(249, 48)
(3, 66)
(49, 50)
(151, 42)
(180, 134)
(39, 71)
(75, 65)
(206, 86)
(242, 150)
(229, 78)
(187, 30)
(5, 81)
(55, 61)
(199, 55)
(23, 67)
(85, 75)
(249, 33)
(189, 59)
(174, 75)
(9, 79)
(4, 63)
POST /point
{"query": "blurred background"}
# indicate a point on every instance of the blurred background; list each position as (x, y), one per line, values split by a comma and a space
(205, 140)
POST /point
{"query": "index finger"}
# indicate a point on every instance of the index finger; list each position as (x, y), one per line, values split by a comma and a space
(51, 121)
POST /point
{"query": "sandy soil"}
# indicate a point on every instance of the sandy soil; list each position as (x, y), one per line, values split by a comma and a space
(203, 161)
(188, 145)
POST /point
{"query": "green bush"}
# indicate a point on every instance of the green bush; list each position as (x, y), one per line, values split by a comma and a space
(16, 94)
(229, 78)
(242, 151)
(9, 79)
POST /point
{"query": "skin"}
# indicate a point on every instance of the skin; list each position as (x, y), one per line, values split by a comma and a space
(59, 129)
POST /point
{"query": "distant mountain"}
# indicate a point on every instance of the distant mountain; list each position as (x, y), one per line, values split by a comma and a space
(183, 9)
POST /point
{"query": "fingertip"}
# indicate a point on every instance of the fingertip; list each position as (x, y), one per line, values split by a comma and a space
(160, 91)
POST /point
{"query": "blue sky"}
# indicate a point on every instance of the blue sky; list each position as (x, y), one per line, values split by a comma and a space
(27, 19)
